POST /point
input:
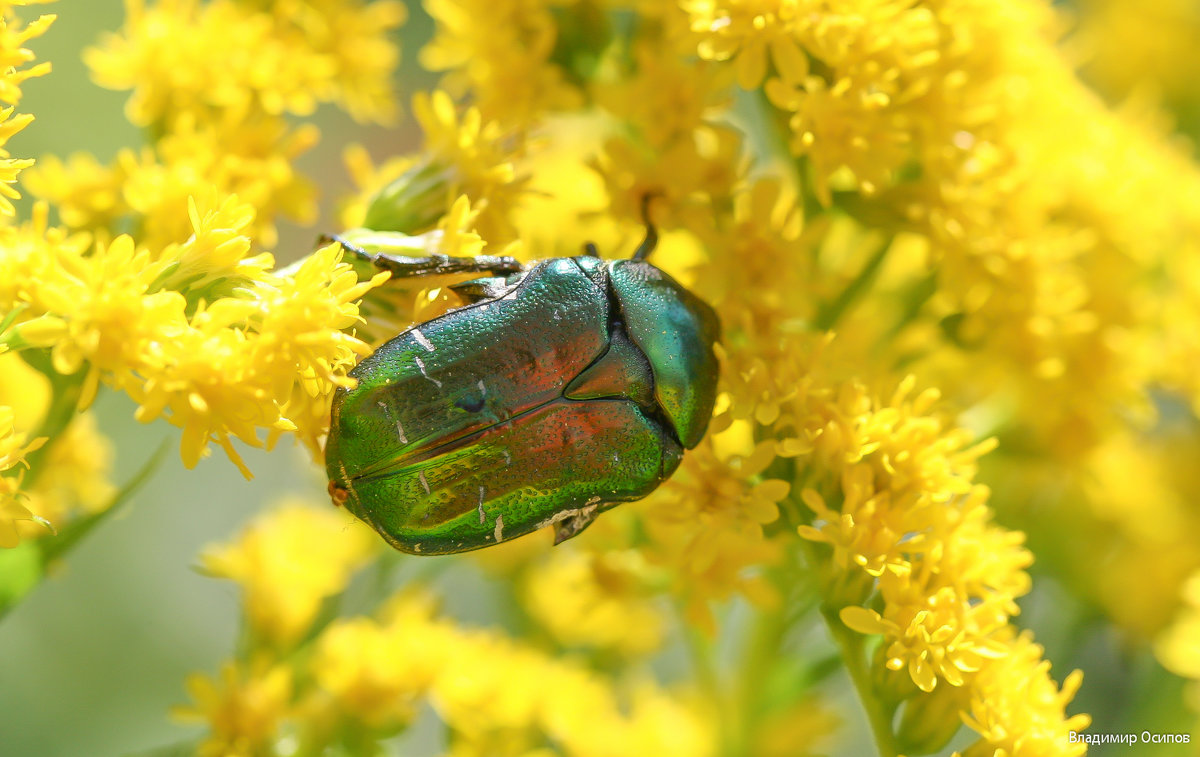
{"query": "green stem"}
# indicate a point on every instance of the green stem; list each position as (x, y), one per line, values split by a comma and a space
(763, 644)
(54, 548)
(879, 715)
(700, 651)
(829, 314)
(42, 552)
(64, 406)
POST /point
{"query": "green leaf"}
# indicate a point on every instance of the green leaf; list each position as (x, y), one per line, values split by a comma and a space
(56, 547)
(20, 571)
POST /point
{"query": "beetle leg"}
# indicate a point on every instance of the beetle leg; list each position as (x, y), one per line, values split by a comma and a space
(651, 241)
(406, 266)
(575, 523)
(477, 290)
(589, 250)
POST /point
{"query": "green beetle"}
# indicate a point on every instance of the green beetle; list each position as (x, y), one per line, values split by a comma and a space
(560, 390)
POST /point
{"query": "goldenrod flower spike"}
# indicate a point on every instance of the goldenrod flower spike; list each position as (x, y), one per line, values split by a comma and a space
(958, 293)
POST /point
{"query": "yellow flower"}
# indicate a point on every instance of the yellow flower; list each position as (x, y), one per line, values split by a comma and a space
(86, 193)
(76, 473)
(668, 96)
(935, 636)
(214, 262)
(9, 168)
(491, 689)
(1154, 39)
(14, 446)
(182, 58)
(707, 522)
(289, 561)
(302, 344)
(378, 673)
(251, 158)
(760, 281)
(753, 34)
(595, 600)
(357, 38)
(14, 55)
(243, 708)
(690, 176)
(222, 367)
(500, 52)
(98, 309)
(1017, 709)
(463, 156)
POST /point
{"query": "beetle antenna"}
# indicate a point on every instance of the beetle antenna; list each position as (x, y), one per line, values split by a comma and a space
(651, 241)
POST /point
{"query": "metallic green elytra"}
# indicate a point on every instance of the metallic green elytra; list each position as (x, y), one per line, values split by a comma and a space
(558, 391)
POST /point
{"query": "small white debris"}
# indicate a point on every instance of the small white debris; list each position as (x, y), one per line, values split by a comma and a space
(421, 367)
(423, 340)
(400, 433)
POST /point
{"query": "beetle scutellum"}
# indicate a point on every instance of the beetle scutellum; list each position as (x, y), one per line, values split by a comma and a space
(560, 390)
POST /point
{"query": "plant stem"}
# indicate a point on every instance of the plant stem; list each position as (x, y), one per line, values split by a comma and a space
(700, 651)
(763, 643)
(64, 406)
(879, 715)
(829, 314)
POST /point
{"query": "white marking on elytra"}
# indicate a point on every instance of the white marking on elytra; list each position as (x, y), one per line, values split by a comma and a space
(482, 517)
(424, 483)
(421, 367)
(498, 534)
(383, 406)
(507, 457)
(482, 388)
(348, 482)
(423, 340)
(400, 433)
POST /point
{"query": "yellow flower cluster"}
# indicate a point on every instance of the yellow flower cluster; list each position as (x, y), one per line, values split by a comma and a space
(213, 82)
(15, 70)
(371, 672)
(13, 448)
(501, 53)
(183, 57)
(183, 315)
(196, 331)
(494, 690)
(80, 461)
(282, 590)
(918, 227)
(896, 116)
(912, 536)
(599, 600)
